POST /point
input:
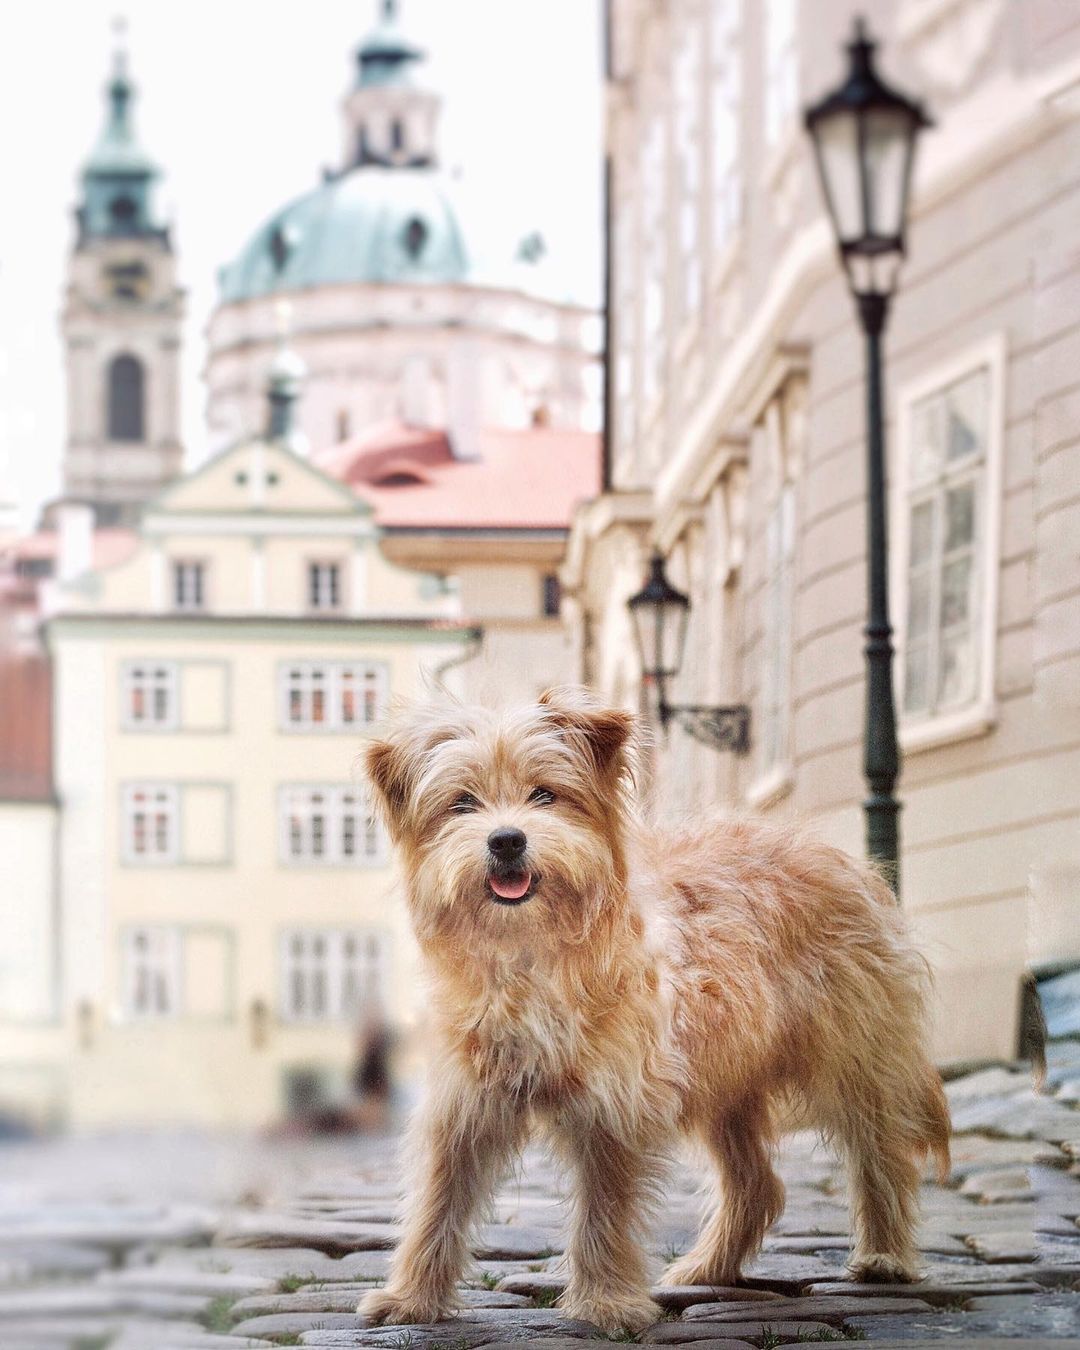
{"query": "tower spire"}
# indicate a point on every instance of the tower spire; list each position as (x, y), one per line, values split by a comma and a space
(120, 88)
(390, 118)
(118, 177)
(285, 380)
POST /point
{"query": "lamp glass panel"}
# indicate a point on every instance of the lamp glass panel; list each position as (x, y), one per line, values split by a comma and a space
(674, 637)
(888, 135)
(838, 159)
(645, 631)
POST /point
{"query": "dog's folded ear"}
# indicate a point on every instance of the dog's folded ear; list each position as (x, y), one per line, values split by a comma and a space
(393, 762)
(386, 769)
(606, 735)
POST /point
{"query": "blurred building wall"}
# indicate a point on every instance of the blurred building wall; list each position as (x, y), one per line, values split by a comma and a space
(738, 450)
(204, 906)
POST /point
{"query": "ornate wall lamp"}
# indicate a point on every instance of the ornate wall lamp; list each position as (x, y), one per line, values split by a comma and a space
(661, 614)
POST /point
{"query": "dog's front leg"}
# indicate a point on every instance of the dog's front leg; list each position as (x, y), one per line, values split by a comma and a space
(462, 1141)
(608, 1284)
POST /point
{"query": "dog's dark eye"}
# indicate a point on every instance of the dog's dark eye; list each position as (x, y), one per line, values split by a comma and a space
(464, 804)
(541, 796)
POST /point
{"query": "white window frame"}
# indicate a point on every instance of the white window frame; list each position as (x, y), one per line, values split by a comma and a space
(725, 126)
(653, 186)
(332, 677)
(153, 676)
(778, 611)
(688, 86)
(164, 961)
(920, 731)
(368, 967)
(318, 590)
(780, 47)
(627, 271)
(167, 797)
(346, 815)
(188, 597)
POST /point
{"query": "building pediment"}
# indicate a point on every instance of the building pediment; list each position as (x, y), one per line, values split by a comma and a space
(261, 478)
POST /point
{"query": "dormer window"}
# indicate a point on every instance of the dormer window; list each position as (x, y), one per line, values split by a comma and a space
(414, 237)
(281, 246)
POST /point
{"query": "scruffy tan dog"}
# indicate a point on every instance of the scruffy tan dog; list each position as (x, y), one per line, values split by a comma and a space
(618, 985)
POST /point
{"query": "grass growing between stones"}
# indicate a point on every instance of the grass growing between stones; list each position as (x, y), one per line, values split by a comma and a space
(546, 1298)
(289, 1284)
(854, 1334)
(217, 1315)
(488, 1279)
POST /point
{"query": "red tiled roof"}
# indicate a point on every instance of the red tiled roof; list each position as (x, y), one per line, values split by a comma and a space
(110, 546)
(25, 729)
(520, 480)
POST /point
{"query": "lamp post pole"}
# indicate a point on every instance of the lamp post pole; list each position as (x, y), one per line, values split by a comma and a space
(881, 758)
(864, 133)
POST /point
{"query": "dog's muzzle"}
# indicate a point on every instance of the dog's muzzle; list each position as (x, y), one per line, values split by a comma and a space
(510, 881)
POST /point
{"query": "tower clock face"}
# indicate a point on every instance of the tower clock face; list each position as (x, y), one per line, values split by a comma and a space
(127, 280)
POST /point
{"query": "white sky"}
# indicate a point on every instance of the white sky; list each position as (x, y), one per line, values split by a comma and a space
(238, 102)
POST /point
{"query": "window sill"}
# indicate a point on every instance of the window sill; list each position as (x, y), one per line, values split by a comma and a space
(771, 787)
(965, 725)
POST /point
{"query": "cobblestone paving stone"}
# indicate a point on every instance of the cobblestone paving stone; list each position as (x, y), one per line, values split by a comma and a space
(192, 1243)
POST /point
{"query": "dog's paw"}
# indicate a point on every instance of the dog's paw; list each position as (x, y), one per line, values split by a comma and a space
(630, 1313)
(386, 1307)
(880, 1268)
(689, 1270)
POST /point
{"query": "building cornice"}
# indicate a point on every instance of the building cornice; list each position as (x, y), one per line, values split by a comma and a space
(257, 627)
(592, 520)
(161, 524)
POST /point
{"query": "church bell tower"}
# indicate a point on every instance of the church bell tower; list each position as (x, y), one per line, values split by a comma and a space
(121, 327)
(391, 120)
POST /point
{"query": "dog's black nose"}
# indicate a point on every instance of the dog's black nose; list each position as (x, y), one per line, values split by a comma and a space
(507, 844)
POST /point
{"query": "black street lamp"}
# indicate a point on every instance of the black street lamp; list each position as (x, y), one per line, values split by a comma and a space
(661, 615)
(864, 137)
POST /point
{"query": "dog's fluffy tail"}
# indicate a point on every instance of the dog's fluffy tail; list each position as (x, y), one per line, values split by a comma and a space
(934, 1135)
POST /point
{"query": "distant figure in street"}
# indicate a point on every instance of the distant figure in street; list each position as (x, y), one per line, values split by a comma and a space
(371, 1078)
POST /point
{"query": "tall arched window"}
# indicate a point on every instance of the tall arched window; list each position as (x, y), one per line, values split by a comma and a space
(126, 399)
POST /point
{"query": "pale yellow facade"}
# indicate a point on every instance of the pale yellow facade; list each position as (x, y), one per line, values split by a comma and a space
(214, 908)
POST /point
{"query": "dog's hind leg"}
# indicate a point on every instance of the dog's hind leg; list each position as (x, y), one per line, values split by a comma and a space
(749, 1197)
(465, 1138)
(883, 1172)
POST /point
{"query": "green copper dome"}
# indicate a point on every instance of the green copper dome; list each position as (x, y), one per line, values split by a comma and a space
(372, 224)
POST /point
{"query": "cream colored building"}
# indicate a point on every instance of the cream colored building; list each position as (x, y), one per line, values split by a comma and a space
(225, 910)
(738, 451)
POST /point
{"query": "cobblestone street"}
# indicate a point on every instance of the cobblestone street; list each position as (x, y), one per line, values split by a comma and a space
(188, 1243)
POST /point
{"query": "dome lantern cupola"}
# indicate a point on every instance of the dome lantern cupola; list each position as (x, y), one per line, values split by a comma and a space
(390, 121)
(118, 178)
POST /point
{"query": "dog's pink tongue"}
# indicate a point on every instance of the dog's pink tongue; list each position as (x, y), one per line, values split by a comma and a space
(511, 889)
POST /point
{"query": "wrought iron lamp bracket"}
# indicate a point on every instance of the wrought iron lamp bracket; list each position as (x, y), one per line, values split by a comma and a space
(722, 728)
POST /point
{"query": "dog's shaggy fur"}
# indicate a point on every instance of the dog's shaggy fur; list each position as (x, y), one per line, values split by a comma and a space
(617, 985)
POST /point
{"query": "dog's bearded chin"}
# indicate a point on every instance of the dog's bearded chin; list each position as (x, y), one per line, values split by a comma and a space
(511, 888)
